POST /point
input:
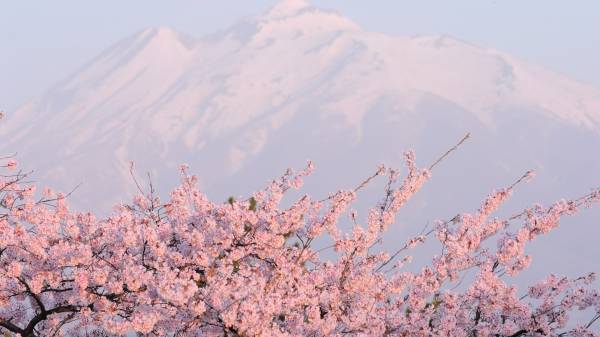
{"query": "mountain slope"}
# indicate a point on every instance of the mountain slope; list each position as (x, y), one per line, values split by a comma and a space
(294, 83)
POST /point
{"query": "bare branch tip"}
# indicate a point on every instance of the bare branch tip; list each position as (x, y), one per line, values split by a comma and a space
(463, 139)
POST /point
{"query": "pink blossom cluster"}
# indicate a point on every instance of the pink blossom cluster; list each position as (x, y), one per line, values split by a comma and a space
(193, 267)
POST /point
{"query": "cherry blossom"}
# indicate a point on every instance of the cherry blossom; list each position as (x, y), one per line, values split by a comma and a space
(188, 266)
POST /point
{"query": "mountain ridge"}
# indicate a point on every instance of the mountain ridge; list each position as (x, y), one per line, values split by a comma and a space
(229, 95)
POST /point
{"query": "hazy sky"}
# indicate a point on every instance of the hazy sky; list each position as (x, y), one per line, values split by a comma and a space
(45, 41)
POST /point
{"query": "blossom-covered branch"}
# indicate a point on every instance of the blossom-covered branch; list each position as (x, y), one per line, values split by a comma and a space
(193, 267)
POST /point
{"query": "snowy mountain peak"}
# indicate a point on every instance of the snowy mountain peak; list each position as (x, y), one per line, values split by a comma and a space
(253, 90)
(300, 17)
(164, 37)
(287, 8)
(287, 20)
(159, 32)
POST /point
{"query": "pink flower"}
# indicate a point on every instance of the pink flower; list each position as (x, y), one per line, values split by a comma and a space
(192, 267)
(14, 269)
(11, 164)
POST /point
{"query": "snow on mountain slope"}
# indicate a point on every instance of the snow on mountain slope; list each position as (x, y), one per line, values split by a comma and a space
(226, 102)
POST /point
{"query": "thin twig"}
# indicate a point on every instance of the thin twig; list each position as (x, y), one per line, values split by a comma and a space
(450, 151)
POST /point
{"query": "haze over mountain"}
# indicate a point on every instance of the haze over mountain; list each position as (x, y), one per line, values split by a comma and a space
(297, 82)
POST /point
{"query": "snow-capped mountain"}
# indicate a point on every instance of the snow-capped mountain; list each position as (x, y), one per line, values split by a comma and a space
(298, 82)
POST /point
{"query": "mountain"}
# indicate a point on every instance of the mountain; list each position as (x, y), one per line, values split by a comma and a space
(297, 82)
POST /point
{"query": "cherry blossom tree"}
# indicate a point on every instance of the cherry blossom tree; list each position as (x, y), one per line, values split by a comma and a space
(252, 267)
